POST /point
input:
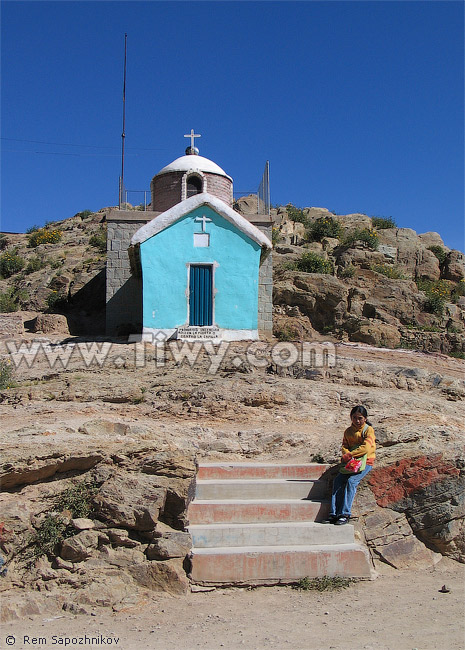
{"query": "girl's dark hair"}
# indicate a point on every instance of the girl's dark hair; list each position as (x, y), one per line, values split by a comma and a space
(362, 410)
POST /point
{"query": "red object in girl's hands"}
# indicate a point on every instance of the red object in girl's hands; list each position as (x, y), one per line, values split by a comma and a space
(354, 465)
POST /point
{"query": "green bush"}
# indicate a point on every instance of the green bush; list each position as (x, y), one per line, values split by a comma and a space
(434, 304)
(99, 240)
(44, 236)
(10, 263)
(296, 214)
(32, 229)
(383, 223)
(84, 214)
(324, 227)
(439, 252)
(3, 242)
(8, 303)
(389, 271)
(313, 263)
(77, 499)
(437, 294)
(46, 539)
(6, 374)
(366, 236)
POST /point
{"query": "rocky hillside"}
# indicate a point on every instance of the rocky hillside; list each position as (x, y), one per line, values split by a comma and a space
(362, 279)
(58, 269)
(346, 277)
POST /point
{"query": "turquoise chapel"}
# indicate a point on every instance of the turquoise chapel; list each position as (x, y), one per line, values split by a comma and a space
(200, 272)
(201, 269)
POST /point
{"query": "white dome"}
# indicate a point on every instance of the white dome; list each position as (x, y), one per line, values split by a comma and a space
(193, 163)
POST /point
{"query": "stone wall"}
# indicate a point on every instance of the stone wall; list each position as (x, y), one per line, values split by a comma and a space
(123, 291)
(265, 289)
(166, 190)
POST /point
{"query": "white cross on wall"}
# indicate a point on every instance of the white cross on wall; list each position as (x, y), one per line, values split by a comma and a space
(204, 220)
(192, 135)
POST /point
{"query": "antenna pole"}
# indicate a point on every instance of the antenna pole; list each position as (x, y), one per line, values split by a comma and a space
(123, 134)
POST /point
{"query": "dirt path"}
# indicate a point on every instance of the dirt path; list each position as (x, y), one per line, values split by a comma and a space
(399, 610)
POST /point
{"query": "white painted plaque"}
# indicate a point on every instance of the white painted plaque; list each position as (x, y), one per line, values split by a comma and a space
(202, 239)
(196, 333)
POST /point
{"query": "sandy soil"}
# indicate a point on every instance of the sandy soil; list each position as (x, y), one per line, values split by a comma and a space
(399, 610)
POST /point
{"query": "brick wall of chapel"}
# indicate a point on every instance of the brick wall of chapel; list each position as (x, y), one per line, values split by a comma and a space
(167, 189)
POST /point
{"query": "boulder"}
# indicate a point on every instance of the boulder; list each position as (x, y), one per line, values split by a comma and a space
(431, 493)
(100, 427)
(389, 252)
(320, 297)
(121, 556)
(39, 468)
(120, 537)
(166, 576)
(355, 220)
(376, 333)
(432, 239)
(412, 253)
(170, 543)
(50, 323)
(391, 539)
(130, 501)
(358, 256)
(454, 266)
(80, 547)
(427, 266)
(81, 523)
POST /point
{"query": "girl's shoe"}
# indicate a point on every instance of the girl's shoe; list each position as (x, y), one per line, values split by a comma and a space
(341, 521)
(330, 520)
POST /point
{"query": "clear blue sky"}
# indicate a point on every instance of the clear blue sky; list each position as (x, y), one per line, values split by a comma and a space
(359, 106)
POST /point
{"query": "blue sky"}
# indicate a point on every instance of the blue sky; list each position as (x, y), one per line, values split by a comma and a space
(358, 106)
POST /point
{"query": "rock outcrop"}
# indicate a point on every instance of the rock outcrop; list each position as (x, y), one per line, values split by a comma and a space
(123, 545)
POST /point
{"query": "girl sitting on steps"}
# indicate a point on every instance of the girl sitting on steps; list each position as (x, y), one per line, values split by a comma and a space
(359, 439)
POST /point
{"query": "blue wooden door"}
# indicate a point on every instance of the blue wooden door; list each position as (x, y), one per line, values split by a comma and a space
(200, 295)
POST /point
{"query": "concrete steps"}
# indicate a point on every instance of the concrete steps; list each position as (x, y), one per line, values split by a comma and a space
(300, 533)
(259, 523)
(260, 488)
(253, 510)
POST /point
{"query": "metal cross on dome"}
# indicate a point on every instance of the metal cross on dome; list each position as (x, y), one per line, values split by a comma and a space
(192, 136)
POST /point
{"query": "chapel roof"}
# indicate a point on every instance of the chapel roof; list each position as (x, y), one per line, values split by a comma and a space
(176, 212)
(193, 163)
